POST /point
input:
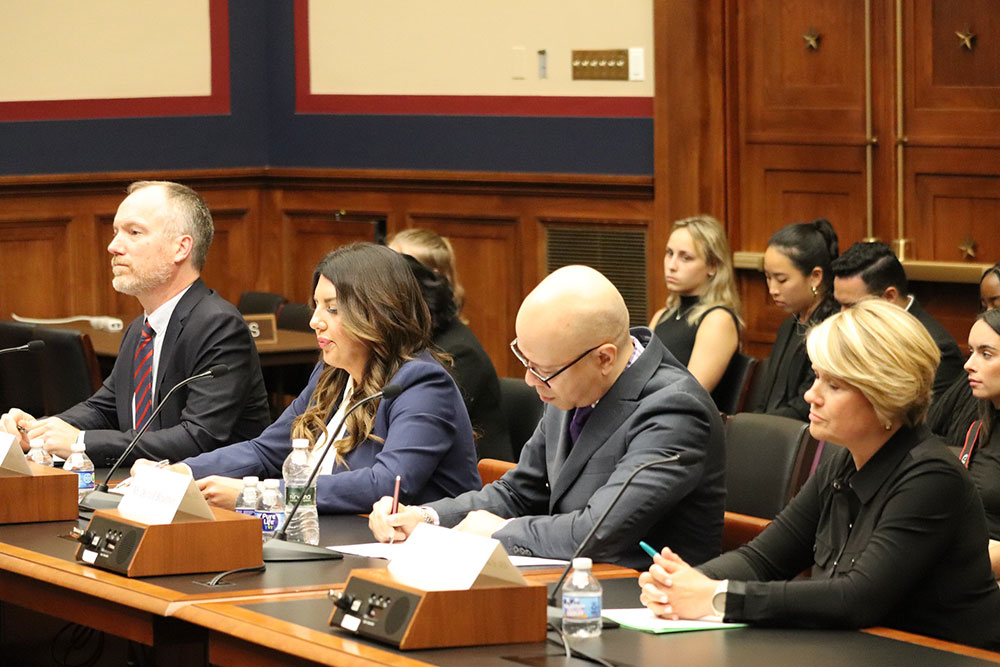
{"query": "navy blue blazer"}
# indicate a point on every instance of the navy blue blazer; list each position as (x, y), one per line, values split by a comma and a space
(427, 442)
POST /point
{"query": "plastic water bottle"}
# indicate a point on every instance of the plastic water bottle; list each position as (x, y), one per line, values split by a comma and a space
(304, 526)
(246, 502)
(271, 508)
(81, 464)
(37, 453)
(581, 601)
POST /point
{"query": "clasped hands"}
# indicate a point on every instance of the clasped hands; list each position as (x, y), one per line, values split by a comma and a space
(388, 527)
(673, 589)
(56, 435)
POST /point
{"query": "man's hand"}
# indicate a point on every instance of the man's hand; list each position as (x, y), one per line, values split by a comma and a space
(673, 589)
(481, 522)
(16, 423)
(55, 434)
(220, 491)
(396, 527)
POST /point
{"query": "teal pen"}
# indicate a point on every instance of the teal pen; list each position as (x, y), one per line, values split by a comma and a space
(648, 549)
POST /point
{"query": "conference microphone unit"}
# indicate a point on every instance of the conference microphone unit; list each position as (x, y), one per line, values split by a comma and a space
(30, 346)
(278, 548)
(682, 458)
(101, 498)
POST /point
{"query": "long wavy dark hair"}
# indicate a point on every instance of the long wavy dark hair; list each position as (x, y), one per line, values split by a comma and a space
(380, 305)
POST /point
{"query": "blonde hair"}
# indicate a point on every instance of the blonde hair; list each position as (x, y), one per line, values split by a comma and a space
(720, 289)
(882, 351)
(434, 251)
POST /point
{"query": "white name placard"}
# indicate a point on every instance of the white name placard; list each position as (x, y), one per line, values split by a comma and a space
(156, 495)
(11, 457)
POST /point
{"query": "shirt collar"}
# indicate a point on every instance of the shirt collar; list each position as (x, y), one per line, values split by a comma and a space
(867, 481)
(160, 318)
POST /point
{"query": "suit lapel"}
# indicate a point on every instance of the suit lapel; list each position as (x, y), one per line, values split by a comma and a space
(195, 293)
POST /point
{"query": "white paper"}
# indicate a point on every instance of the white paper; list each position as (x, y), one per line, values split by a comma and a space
(440, 559)
(156, 495)
(386, 551)
(643, 619)
(11, 457)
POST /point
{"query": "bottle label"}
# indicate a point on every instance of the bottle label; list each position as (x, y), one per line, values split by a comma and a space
(271, 521)
(85, 479)
(246, 510)
(581, 607)
(292, 494)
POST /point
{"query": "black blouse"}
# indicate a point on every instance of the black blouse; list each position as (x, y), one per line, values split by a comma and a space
(900, 543)
(984, 468)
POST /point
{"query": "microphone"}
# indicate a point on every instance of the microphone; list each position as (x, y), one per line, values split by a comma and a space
(683, 458)
(102, 499)
(278, 548)
(30, 346)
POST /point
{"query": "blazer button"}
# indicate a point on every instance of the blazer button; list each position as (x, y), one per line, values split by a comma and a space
(836, 484)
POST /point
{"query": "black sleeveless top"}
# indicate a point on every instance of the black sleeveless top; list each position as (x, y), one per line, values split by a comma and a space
(678, 335)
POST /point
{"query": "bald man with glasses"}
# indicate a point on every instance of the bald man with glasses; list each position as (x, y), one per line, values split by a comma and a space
(615, 399)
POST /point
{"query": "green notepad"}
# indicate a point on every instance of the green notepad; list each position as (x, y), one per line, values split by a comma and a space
(642, 619)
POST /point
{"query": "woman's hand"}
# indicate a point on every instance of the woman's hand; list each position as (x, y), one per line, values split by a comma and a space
(673, 589)
(220, 491)
(387, 527)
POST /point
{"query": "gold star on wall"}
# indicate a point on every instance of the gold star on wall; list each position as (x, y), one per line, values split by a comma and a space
(966, 38)
(968, 247)
(812, 39)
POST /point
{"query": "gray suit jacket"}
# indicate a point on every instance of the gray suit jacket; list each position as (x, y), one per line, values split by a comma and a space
(555, 494)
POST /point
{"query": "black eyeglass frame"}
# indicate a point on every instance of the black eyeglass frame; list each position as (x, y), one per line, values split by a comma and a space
(545, 380)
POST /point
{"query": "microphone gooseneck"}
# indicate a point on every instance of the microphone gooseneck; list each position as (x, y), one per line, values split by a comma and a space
(674, 458)
(30, 346)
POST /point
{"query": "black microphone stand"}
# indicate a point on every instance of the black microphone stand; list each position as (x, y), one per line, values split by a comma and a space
(597, 524)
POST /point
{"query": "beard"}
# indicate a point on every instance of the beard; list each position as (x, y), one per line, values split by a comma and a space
(141, 281)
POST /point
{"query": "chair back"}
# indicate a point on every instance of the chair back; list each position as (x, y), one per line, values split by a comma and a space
(69, 368)
(767, 461)
(731, 392)
(490, 470)
(295, 317)
(259, 303)
(20, 372)
(755, 386)
(522, 408)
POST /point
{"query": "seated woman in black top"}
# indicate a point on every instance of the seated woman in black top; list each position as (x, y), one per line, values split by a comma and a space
(797, 268)
(981, 446)
(891, 525)
(700, 324)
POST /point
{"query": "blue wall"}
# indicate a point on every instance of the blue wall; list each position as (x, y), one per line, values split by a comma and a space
(263, 129)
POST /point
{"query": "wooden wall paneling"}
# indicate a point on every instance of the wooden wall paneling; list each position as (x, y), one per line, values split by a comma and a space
(953, 196)
(229, 266)
(35, 267)
(487, 254)
(784, 184)
(952, 93)
(792, 93)
(954, 305)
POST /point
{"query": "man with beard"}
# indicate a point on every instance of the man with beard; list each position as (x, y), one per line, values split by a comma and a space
(162, 233)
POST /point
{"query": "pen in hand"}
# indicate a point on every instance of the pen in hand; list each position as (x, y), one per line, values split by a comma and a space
(395, 506)
(650, 551)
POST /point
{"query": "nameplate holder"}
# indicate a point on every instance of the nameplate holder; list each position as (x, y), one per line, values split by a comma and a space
(12, 459)
(263, 328)
(30, 492)
(158, 496)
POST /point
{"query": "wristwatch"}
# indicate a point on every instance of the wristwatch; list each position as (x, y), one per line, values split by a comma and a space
(719, 598)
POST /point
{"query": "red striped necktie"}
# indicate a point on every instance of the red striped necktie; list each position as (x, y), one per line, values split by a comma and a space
(143, 376)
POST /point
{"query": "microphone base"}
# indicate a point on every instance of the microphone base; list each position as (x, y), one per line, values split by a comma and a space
(98, 500)
(280, 550)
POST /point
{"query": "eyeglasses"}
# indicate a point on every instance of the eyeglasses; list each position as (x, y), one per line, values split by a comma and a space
(544, 380)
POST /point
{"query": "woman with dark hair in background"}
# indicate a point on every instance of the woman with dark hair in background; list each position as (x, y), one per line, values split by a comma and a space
(374, 329)
(471, 366)
(797, 268)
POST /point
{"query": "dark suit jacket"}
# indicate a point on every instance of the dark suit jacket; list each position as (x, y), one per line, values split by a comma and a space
(426, 440)
(556, 493)
(477, 379)
(204, 330)
(952, 363)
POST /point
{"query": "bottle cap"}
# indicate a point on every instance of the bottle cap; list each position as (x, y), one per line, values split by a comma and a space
(299, 442)
(272, 483)
(78, 447)
(250, 480)
(36, 443)
(582, 563)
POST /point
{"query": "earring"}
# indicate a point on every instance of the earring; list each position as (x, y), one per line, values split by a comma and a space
(888, 426)
(815, 291)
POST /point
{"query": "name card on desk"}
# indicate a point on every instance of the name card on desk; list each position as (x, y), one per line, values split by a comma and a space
(263, 328)
(440, 559)
(157, 496)
(11, 457)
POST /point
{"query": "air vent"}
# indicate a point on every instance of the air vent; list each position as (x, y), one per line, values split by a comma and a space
(618, 253)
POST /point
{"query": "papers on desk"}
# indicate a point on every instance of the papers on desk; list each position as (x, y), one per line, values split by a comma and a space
(642, 619)
(387, 551)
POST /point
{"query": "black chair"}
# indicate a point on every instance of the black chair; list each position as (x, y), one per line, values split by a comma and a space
(295, 317)
(20, 372)
(260, 303)
(755, 387)
(731, 392)
(522, 408)
(70, 371)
